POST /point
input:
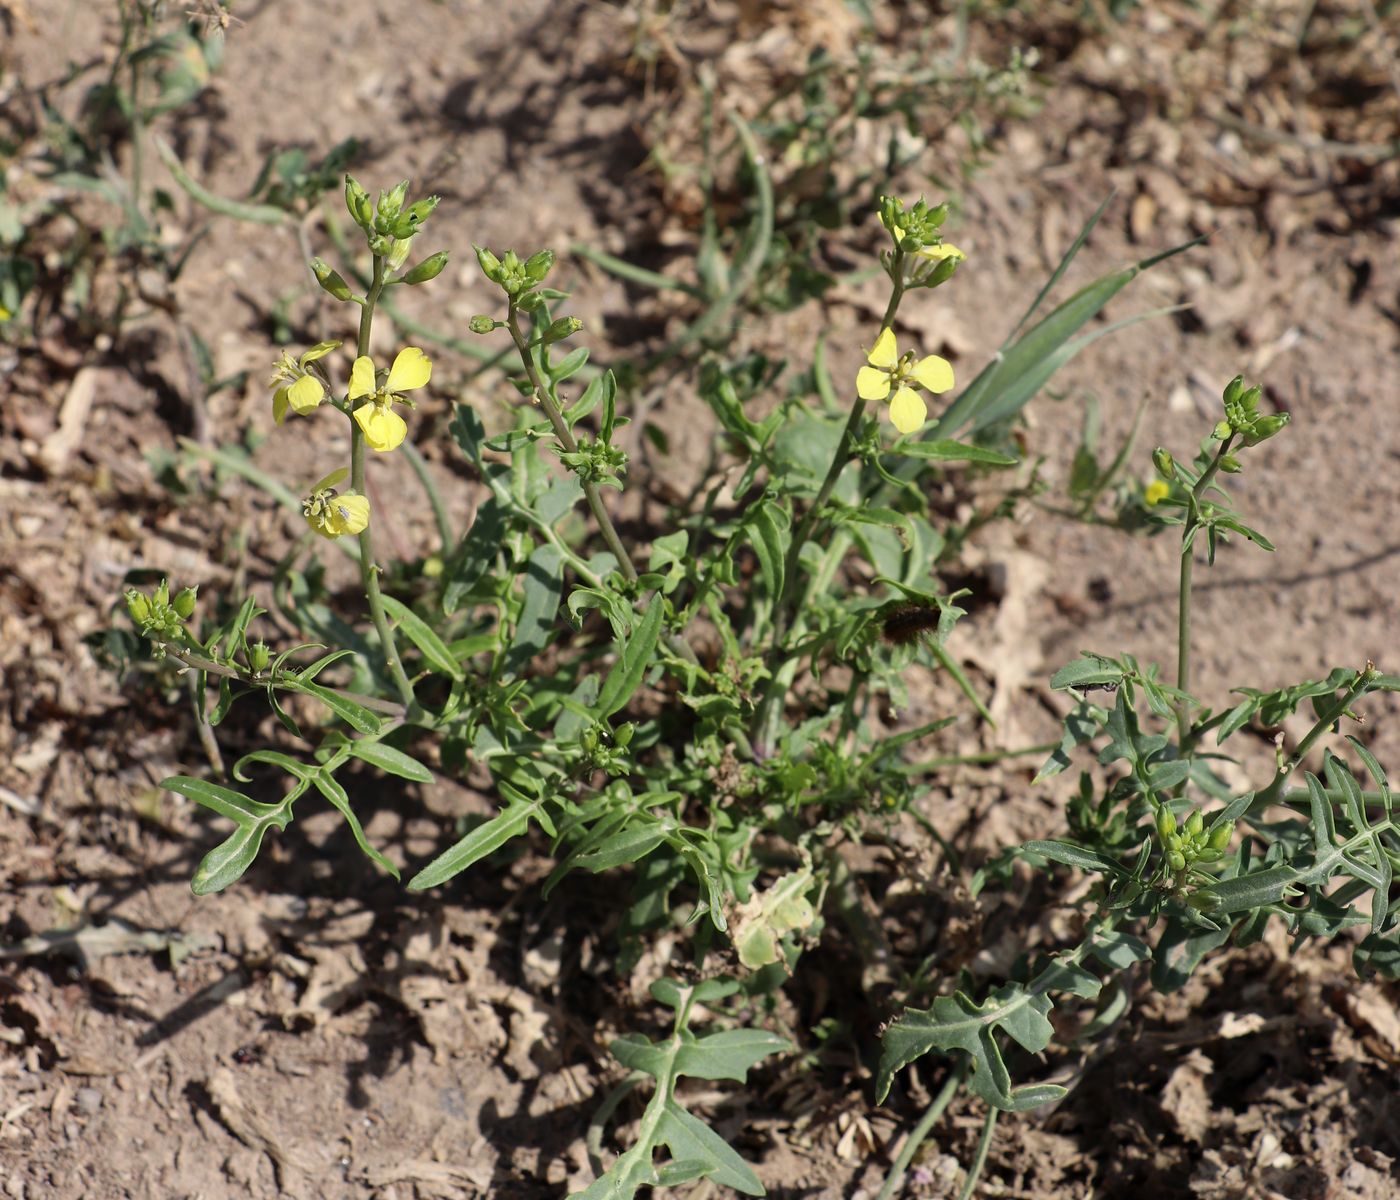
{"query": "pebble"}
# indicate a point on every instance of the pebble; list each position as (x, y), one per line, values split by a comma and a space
(87, 1101)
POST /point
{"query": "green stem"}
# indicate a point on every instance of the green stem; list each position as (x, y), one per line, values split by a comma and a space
(1270, 794)
(590, 490)
(979, 1158)
(1183, 602)
(369, 569)
(208, 666)
(895, 1179)
(782, 618)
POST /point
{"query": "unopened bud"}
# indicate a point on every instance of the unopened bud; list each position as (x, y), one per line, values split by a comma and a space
(390, 205)
(259, 656)
(490, 264)
(562, 328)
(184, 602)
(1166, 822)
(1221, 431)
(537, 266)
(430, 268)
(1195, 823)
(480, 324)
(357, 203)
(1230, 464)
(1165, 463)
(1220, 836)
(138, 606)
(1265, 428)
(623, 736)
(330, 279)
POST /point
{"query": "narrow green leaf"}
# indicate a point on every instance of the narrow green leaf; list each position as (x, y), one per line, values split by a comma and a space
(386, 758)
(632, 661)
(485, 839)
(357, 716)
(331, 789)
(422, 635)
(543, 588)
(947, 450)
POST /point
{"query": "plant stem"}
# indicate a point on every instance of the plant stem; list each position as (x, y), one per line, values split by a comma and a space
(197, 662)
(590, 490)
(921, 1131)
(440, 517)
(979, 1158)
(369, 569)
(782, 609)
(1183, 600)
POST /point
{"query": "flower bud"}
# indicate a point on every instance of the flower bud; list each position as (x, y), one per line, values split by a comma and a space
(1230, 464)
(1208, 855)
(1195, 823)
(537, 266)
(529, 302)
(1165, 463)
(330, 279)
(390, 205)
(623, 736)
(1166, 822)
(1220, 836)
(184, 602)
(415, 214)
(1221, 431)
(562, 328)
(1264, 428)
(1233, 390)
(357, 203)
(1203, 900)
(490, 264)
(430, 268)
(1177, 860)
(396, 253)
(481, 324)
(138, 606)
(259, 656)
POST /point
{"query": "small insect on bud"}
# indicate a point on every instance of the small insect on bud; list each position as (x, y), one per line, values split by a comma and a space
(184, 602)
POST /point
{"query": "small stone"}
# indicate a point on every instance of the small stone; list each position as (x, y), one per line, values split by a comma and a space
(87, 1101)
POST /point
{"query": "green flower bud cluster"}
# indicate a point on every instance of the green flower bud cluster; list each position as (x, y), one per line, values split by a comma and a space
(513, 276)
(1191, 844)
(1242, 417)
(610, 759)
(159, 616)
(914, 228)
(596, 462)
(390, 224)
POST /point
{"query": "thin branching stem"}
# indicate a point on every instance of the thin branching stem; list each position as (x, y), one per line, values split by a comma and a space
(1183, 606)
(895, 1180)
(369, 569)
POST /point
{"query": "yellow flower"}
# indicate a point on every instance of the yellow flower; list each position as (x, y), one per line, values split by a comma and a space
(384, 429)
(301, 391)
(1155, 492)
(941, 251)
(886, 372)
(330, 514)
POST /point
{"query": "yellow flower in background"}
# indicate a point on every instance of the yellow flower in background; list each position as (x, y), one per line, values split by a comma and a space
(301, 391)
(941, 251)
(384, 429)
(886, 375)
(1155, 492)
(331, 514)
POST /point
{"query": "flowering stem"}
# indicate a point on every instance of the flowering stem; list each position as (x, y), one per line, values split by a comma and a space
(566, 438)
(807, 526)
(369, 570)
(1183, 603)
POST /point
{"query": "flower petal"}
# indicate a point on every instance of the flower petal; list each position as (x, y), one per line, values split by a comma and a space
(305, 394)
(384, 428)
(280, 405)
(319, 350)
(886, 351)
(412, 369)
(362, 378)
(908, 410)
(349, 514)
(872, 383)
(945, 250)
(934, 373)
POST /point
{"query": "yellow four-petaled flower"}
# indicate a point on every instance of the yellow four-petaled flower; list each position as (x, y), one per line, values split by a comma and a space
(331, 514)
(384, 429)
(301, 391)
(888, 376)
